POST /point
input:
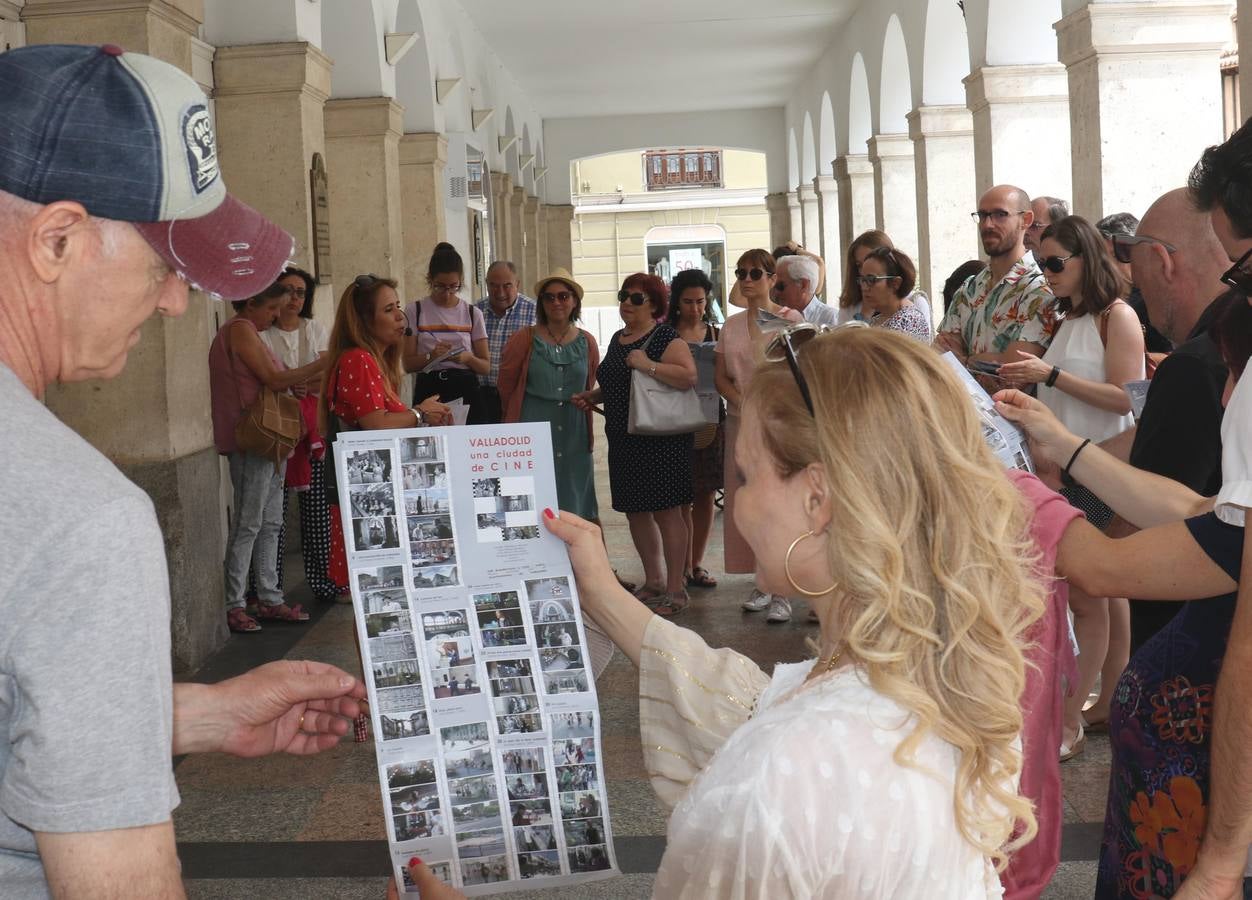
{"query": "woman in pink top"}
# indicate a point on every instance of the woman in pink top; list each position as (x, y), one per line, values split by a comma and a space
(239, 364)
(738, 354)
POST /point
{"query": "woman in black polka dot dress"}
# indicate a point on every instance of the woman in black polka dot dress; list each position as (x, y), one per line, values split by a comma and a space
(649, 477)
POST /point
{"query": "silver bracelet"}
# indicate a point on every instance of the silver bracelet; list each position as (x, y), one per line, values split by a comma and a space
(421, 419)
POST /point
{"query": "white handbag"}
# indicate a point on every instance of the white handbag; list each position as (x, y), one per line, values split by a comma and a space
(657, 410)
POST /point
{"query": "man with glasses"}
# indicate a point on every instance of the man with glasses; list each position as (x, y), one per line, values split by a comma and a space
(505, 310)
(1046, 210)
(794, 284)
(1007, 307)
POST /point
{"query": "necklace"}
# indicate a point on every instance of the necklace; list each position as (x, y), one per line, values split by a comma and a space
(823, 667)
(559, 340)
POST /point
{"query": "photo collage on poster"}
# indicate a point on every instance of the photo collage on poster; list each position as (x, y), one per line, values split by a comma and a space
(484, 707)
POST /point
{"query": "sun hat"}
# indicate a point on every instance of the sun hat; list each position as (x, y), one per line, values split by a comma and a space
(130, 138)
(563, 276)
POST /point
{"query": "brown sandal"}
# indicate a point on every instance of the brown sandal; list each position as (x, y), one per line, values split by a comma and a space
(238, 620)
(700, 578)
(667, 605)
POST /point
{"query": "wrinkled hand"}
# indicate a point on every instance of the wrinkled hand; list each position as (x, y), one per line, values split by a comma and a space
(597, 584)
(290, 706)
(637, 359)
(582, 400)
(434, 412)
(1049, 439)
(1030, 369)
(428, 886)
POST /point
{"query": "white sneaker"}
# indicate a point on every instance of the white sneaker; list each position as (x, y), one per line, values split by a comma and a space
(756, 602)
(779, 610)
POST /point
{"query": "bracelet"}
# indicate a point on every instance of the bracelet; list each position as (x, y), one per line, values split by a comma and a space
(652, 370)
(1065, 476)
(1053, 376)
(421, 419)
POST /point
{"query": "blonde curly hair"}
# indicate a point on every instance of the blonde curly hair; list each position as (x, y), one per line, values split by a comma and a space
(930, 550)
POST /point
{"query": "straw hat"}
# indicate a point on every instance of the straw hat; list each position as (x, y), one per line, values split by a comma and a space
(563, 276)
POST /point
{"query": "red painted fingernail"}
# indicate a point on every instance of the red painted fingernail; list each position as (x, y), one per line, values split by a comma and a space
(415, 861)
(548, 514)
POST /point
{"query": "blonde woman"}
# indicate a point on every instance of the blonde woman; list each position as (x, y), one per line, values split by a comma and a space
(886, 768)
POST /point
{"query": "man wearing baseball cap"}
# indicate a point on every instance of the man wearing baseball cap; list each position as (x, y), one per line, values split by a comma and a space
(111, 204)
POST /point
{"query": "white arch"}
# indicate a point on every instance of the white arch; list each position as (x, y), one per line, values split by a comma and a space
(352, 35)
(826, 149)
(1009, 32)
(945, 55)
(511, 156)
(860, 121)
(895, 98)
(528, 174)
(793, 160)
(415, 75)
(808, 153)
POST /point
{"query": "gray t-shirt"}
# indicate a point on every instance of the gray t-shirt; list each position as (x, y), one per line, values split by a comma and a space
(86, 695)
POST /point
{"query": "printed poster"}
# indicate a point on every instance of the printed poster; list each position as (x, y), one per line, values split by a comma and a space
(484, 707)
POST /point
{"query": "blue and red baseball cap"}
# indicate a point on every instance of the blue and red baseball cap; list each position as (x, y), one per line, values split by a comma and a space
(130, 138)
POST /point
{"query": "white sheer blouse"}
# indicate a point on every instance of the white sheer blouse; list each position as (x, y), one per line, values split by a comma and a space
(784, 789)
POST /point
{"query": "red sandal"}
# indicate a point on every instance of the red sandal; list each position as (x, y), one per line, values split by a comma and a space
(238, 620)
(283, 613)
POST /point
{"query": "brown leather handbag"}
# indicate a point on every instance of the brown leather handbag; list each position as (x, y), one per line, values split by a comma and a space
(271, 427)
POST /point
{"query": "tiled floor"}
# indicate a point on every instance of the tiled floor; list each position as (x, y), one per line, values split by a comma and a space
(288, 827)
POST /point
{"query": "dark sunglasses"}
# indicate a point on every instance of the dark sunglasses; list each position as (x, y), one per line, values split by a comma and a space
(637, 298)
(754, 274)
(554, 296)
(1124, 243)
(1237, 276)
(788, 342)
(1056, 264)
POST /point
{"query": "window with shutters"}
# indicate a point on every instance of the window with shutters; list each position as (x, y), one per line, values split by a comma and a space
(671, 169)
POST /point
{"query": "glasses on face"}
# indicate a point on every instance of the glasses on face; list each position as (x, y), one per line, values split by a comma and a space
(754, 274)
(555, 296)
(1237, 276)
(788, 342)
(868, 281)
(637, 298)
(445, 288)
(298, 292)
(1124, 243)
(1056, 264)
(999, 216)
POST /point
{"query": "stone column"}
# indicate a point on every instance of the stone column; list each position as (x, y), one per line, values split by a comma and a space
(779, 218)
(517, 231)
(855, 177)
(1243, 38)
(1140, 71)
(153, 421)
(530, 253)
(560, 241)
(424, 217)
(269, 104)
(541, 242)
(501, 194)
(895, 189)
(795, 217)
(828, 227)
(363, 167)
(1021, 128)
(811, 228)
(943, 144)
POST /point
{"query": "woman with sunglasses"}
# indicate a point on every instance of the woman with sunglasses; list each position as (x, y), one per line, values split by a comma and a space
(298, 339)
(361, 391)
(738, 352)
(448, 348)
(887, 278)
(542, 367)
(851, 300)
(1096, 350)
(649, 476)
(789, 785)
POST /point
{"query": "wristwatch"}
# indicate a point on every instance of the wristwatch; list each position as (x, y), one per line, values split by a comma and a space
(421, 419)
(652, 370)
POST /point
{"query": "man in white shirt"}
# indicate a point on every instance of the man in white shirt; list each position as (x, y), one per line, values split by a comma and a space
(794, 282)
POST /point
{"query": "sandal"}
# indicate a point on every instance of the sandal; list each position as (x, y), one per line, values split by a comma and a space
(667, 605)
(700, 578)
(283, 613)
(628, 585)
(238, 620)
(646, 595)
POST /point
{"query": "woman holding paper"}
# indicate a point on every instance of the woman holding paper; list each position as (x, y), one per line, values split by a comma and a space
(1097, 349)
(448, 346)
(541, 369)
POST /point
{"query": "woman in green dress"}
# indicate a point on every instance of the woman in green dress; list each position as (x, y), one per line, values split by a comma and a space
(541, 368)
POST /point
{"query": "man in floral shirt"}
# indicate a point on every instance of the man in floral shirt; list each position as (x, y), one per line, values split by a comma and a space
(1007, 306)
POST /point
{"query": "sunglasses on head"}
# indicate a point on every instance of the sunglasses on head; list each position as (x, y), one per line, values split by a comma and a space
(787, 343)
(1056, 264)
(362, 282)
(637, 298)
(1237, 276)
(554, 296)
(753, 274)
(1124, 243)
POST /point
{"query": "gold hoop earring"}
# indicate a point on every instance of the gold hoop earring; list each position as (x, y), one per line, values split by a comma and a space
(792, 581)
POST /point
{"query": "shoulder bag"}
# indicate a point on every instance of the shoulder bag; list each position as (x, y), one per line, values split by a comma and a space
(658, 410)
(272, 426)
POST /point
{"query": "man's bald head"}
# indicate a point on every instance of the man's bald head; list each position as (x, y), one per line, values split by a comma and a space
(1177, 286)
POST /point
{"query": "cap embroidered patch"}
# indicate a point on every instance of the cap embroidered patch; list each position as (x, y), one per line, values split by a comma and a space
(201, 147)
